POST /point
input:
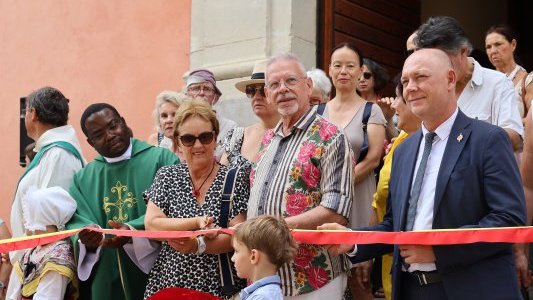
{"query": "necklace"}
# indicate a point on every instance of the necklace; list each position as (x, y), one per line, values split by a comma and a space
(196, 191)
(513, 73)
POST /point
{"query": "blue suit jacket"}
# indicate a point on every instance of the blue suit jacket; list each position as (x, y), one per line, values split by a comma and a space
(478, 185)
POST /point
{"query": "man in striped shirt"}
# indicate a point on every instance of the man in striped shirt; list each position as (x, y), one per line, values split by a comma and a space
(303, 173)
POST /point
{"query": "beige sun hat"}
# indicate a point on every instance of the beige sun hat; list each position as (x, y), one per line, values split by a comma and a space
(258, 76)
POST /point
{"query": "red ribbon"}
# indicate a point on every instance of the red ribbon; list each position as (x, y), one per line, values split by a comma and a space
(428, 237)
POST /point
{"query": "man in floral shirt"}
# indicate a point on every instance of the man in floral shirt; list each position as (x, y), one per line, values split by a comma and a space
(303, 173)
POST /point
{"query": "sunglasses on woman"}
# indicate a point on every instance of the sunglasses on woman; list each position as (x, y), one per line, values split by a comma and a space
(367, 75)
(252, 89)
(205, 138)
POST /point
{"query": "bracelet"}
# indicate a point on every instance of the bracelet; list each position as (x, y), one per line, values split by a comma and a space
(201, 245)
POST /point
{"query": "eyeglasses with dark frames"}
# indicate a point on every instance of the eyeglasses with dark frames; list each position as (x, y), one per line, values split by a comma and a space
(252, 89)
(205, 138)
(367, 75)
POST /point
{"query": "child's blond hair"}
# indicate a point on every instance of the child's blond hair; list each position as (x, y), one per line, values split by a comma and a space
(269, 235)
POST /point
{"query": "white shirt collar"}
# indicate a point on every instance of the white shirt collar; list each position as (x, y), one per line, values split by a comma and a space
(444, 129)
(64, 133)
(477, 73)
(126, 155)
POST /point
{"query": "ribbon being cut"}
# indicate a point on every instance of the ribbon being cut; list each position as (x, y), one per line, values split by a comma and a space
(319, 237)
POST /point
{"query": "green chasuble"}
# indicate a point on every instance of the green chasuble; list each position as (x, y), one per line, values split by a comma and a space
(113, 191)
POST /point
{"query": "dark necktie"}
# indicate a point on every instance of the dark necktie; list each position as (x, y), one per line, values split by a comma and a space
(417, 186)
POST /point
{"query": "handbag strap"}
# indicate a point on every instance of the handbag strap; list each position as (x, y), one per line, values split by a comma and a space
(366, 116)
(226, 276)
(227, 198)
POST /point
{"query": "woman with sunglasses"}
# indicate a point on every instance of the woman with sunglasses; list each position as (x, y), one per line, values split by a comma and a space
(242, 144)
(371, 83)
(188, 197)
(346, 111)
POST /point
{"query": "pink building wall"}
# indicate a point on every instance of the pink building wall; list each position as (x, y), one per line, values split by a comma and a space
(123, 52)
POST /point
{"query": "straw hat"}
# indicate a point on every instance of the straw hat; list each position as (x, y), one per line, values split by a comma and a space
(258, 76)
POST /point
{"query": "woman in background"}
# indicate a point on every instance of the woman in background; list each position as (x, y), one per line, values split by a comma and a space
(321, 86)
(166, 105)
(346, 111)
(500, 44)
(242, 143)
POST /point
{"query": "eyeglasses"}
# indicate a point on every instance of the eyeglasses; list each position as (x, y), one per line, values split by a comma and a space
(290, 82)
(252, 89)
(367, 75)
(205, 138)
(197, 89)
(98, 135)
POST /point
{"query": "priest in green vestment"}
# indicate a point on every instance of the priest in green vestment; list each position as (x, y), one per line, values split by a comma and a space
(108, 192)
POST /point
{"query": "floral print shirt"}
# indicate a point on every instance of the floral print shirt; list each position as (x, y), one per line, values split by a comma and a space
(312, 166)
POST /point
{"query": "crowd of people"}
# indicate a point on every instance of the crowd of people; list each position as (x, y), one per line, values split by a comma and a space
(449, 150)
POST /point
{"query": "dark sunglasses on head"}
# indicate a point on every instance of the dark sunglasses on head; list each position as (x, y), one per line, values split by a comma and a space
(252, 89)
(205, 138)
(367, 75)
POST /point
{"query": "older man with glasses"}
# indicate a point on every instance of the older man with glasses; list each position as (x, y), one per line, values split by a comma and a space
(201, 83)
(303, 173)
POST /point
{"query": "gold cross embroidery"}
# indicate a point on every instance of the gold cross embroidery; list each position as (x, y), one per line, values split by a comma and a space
(119, 189)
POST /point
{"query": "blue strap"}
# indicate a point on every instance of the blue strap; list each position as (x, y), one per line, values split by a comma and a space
(366, 116)
(320, 109)
(226, 276)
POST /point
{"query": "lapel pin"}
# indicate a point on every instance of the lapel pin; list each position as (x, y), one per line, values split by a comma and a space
(460, 137)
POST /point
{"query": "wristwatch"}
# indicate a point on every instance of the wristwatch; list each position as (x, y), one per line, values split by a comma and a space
(201, 244)
(2, 286)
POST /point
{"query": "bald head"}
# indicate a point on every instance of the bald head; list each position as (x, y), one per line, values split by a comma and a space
(428, 80)
(436, 57)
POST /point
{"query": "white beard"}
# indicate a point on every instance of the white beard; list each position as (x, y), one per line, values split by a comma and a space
(288, 111)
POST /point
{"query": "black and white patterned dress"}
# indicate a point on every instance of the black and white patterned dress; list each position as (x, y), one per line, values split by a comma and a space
(172, 193)
(232, 145)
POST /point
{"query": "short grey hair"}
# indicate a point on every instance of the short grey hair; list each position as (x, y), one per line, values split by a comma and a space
(285, 56)
(444, 33)
(320, 81)
(167, 97)
(50, 105)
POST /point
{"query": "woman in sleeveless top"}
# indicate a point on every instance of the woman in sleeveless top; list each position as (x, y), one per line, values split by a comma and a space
(346, 111)
(500, 44)
(242, 143)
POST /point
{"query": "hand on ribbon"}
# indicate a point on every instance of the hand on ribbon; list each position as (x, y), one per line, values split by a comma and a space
(339, 248)
(117, 241)
(91, 239)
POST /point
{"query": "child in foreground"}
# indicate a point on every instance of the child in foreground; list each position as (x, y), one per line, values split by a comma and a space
(262, 245)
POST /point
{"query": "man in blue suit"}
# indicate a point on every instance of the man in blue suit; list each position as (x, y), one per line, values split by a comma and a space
(456, 172)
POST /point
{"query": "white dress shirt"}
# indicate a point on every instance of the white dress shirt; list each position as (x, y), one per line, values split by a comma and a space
(56, 168)
(490, 96)
(425, 205)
